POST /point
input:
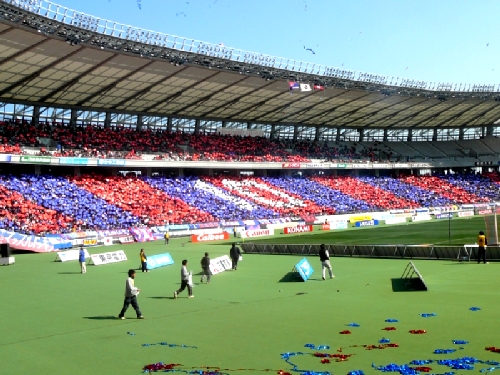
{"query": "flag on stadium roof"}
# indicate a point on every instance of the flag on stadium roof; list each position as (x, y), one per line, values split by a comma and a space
(293, 85)
(305, 87)
(319, 87)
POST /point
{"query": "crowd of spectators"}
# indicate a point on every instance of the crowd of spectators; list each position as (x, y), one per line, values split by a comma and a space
(454, 192)
(45, 203)
(20, 214)
(360, 190)
(157, 144)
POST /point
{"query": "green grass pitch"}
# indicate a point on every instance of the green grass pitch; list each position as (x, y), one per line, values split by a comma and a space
(58, 321)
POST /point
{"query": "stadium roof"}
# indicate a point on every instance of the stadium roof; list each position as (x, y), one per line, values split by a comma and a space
(50, 62)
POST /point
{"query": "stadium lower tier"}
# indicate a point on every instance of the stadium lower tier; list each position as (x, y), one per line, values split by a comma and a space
(46, 203)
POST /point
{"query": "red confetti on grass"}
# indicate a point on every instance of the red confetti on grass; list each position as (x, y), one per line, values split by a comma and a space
(423, 368)
(493, 349)
(418, 331)
(160, 366)
(390, 328)
(345, 332)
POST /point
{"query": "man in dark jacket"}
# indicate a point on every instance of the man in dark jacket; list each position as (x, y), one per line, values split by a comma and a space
(234, 254)
(325, 261)
(205, 266)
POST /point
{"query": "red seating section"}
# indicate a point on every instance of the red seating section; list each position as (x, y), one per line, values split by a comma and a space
(134, 195)
(443, 188)
(94, 141)
(366, 192)
(493, 176)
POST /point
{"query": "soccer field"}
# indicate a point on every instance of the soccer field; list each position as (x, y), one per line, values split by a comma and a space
(456, 232)
(58, 321)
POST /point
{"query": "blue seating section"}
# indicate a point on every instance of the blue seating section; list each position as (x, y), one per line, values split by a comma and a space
(321, 195)
(209, 198)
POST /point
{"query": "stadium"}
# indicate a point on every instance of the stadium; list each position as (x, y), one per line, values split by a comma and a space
(112, 137)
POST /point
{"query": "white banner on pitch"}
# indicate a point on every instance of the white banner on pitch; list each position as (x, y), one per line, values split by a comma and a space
(65, 256)
(220, 264)
(106, 258)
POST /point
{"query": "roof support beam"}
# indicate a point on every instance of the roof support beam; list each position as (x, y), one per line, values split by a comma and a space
(145, 90)
(112, 85)
(62, 89)
(256, 105)
(375, 112)
(32, 76)
(207, 97)
(178, 93)
(280, 108)
(319, 115)
(235, 100)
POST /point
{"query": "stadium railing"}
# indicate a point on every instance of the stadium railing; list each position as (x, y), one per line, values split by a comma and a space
(372, 251)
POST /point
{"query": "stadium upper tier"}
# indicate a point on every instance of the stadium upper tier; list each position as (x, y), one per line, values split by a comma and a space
(38, 204)
(92, 141)
(54, 56)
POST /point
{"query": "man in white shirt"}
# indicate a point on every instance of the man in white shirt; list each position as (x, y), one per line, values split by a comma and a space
(131, 292)
(185, 276)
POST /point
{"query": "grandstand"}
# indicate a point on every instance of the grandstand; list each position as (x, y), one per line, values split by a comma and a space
(178, 131)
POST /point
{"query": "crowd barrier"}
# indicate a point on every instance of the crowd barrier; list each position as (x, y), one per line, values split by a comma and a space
(464, 252)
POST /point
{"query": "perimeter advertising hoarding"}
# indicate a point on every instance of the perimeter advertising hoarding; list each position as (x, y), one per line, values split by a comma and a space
(401, 165)
(361, 166)
(119, 162)
(423, 217)
(6, 158)
(106, 258)
(159, 260)
(220, 264)
(366, 223)
(354, 219)
(290, 165)
(25, 242)
(395, 220)
(74, 161)
(335, 224)
(298, 229)
(304, 269)
(207, 237)
(65, 256)
(35, 159)
(256, 233)
(446, 215)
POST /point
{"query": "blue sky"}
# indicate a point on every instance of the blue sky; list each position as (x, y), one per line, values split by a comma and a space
(453, 41)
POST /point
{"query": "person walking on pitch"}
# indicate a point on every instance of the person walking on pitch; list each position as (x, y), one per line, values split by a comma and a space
(205, 266)
(131, 292)
(325, 262)
(234, 254)
(167, 238)
(185, 277)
